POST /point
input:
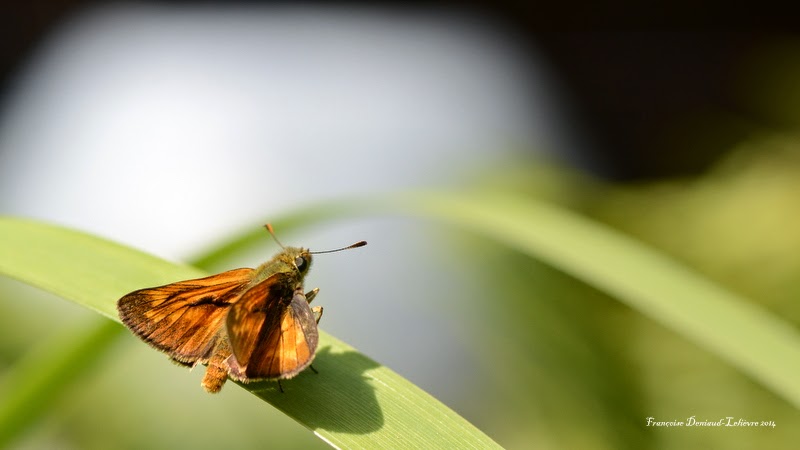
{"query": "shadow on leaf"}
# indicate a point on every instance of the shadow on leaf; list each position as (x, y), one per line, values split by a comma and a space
(339, 398)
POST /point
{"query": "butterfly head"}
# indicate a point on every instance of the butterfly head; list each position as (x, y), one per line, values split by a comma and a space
(297, 259)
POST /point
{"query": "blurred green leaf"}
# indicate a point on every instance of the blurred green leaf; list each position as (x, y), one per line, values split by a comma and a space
(32, 384)
(359, 404)
(734, 328)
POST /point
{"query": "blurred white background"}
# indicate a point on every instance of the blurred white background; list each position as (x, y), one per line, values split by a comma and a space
(170, 128)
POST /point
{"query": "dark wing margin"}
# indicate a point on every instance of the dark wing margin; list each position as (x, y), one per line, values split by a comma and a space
(183, 319)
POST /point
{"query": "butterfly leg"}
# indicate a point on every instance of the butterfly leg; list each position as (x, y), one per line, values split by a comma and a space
(280, 387)
(311, 294)
(317, 310)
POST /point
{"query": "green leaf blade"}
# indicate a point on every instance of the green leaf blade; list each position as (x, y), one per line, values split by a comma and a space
(354, 402)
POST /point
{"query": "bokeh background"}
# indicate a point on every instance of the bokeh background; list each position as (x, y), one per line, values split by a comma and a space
(172, 126)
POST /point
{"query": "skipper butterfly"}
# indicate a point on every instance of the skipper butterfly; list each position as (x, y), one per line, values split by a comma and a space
(246, 324)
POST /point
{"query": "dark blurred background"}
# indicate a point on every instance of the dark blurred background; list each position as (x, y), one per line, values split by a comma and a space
(652, 104)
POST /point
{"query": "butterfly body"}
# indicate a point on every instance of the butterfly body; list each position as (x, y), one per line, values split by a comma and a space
(246, 324)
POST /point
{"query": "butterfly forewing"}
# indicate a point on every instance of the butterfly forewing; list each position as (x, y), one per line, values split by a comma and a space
(183, 319)
(272, 330)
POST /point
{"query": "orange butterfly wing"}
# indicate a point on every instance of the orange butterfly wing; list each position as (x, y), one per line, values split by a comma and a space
(183, 319)
(272, 330)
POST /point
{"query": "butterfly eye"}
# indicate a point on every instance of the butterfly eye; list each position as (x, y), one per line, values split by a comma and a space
(301, 263)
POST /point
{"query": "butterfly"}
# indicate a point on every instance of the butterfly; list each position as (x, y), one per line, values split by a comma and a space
(246, 324)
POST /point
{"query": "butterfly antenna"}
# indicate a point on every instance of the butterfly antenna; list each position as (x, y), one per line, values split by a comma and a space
(272, 232)
(356, 245)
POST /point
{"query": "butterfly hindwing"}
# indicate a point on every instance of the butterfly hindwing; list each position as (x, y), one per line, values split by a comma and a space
(183, 319)
(272, 330)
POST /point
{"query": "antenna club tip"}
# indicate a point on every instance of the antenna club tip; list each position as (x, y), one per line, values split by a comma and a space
(272, 233)
(356, 245)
